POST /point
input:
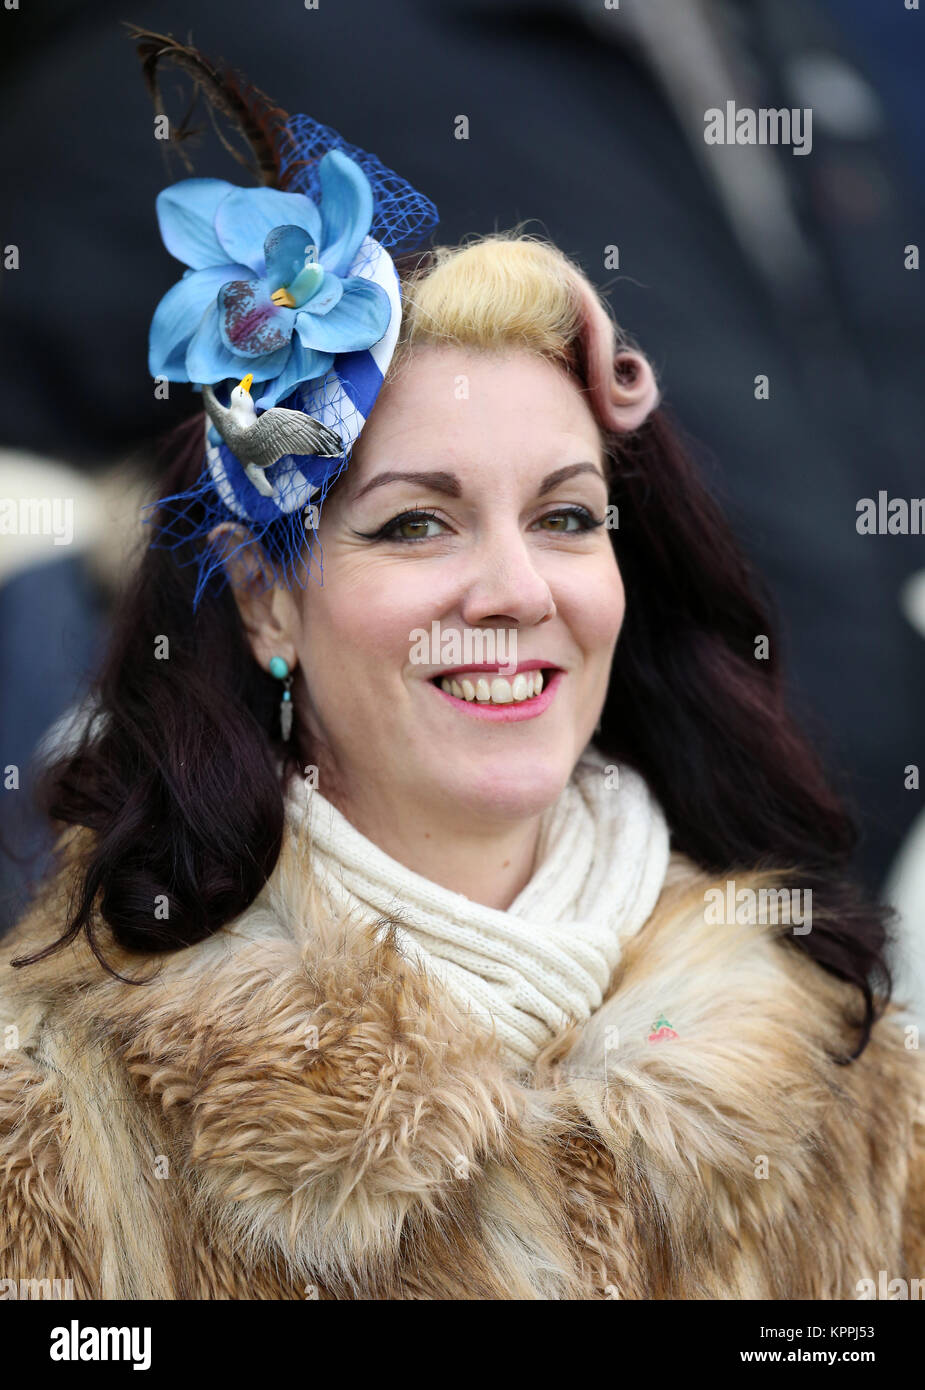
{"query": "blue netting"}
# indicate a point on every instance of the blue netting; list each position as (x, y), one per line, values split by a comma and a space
(402, 217)
(284, 526)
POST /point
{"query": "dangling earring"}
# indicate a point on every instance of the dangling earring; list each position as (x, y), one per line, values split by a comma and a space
(280, 669)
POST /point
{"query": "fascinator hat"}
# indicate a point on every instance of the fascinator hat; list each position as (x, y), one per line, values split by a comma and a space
(286, 317)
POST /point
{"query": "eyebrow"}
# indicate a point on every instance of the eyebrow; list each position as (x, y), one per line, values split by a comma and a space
(449, 484)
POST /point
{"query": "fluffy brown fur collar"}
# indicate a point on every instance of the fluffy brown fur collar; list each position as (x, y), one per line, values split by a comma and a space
(291, 1110)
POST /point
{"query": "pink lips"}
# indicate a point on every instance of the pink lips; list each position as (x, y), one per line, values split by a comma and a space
(505, 714)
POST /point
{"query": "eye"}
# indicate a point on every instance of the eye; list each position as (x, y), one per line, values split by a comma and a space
(586, 522)
(391, 531)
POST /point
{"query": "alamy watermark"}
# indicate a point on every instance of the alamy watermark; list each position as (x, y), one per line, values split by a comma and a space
(77, 1343)
(767, 126)
(764, 906)
(890, 516)
(475, 647)
(38, 516)
(884, 1287)
(36, 1288)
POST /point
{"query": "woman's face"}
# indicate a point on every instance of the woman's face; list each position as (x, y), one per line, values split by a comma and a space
(509, 466)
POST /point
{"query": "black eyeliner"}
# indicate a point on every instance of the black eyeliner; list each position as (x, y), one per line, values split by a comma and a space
(591, 523)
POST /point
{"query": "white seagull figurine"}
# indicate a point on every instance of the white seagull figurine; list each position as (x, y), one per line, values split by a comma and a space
(259, 441)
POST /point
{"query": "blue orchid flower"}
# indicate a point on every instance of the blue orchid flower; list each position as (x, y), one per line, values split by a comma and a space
(267, 291)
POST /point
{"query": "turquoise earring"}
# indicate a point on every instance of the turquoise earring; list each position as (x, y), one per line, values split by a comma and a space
(280, 669)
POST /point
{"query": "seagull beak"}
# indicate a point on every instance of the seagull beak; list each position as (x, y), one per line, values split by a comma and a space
(247, 383)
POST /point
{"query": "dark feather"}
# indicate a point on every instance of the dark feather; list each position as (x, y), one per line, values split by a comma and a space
(260, 122)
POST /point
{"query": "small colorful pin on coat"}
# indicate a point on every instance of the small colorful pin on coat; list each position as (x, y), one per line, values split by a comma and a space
(661, 1030)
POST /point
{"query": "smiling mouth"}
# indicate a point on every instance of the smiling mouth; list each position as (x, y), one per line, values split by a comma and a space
(490, 689)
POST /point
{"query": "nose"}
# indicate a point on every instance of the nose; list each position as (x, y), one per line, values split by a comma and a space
(502, 583)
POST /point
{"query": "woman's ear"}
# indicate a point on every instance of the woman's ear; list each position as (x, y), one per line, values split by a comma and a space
(269, 614)
(620, 381)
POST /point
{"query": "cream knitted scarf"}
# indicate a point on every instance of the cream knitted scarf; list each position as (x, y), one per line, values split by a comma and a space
(546, 961)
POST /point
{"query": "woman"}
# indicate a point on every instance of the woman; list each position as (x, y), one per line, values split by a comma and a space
(419, 1001)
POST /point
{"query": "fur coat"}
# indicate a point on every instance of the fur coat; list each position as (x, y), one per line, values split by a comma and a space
(290, 1109)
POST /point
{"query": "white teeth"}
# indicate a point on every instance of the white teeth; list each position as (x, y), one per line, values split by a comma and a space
(495, 689)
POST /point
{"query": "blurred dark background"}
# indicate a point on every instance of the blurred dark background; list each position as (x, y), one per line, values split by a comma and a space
(733, 262)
